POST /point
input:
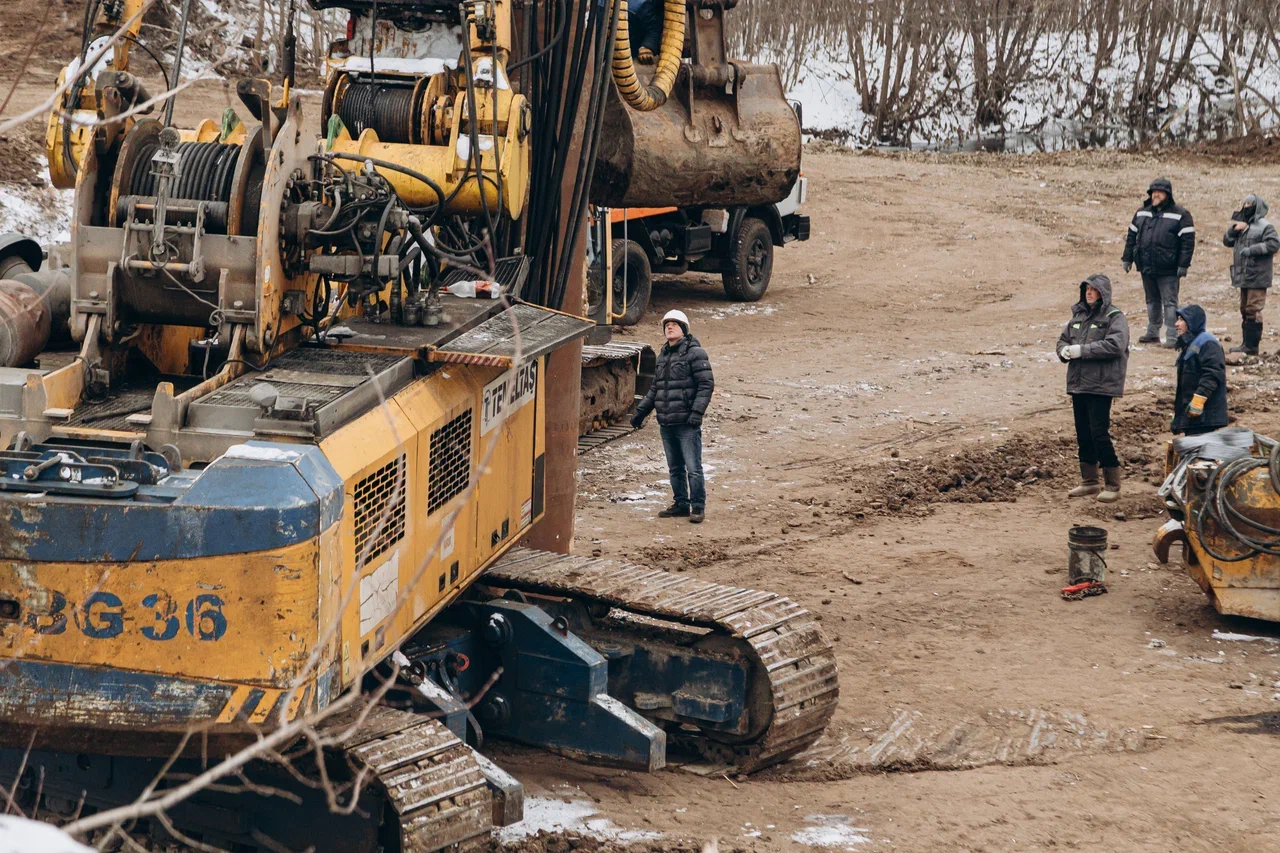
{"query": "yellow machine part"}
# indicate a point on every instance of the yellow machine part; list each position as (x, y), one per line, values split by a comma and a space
(503, 161)
(69, 603)
(638, 96)
(430, 420)
(1249, 587)
(109, 20)
(251, 622)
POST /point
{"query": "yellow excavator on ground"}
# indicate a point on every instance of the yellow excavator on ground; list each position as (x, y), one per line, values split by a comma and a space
(259, 459)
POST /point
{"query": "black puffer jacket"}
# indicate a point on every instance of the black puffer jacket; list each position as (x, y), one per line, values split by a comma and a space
(682, 384)
(1253, 248)
(1161, 239)
(1202, 369)
(1102, 331)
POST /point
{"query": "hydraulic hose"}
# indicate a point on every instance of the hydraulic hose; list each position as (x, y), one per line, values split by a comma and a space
(648, 98)
(1230, 519)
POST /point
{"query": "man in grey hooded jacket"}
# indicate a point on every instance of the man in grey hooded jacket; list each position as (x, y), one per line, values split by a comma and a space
(1253, 241)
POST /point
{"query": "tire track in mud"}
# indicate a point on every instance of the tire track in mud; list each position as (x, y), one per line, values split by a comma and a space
(914, 742)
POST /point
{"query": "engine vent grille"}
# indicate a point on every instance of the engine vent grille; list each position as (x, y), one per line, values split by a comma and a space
(380, 508)
(450, 461)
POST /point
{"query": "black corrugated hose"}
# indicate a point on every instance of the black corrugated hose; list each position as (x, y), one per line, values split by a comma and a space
(553, 80)
(1217, 506)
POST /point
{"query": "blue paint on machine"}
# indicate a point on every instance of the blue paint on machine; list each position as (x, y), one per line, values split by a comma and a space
(55, 693)
(257, 497)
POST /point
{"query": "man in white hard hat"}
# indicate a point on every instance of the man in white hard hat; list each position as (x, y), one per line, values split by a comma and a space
(680, 393)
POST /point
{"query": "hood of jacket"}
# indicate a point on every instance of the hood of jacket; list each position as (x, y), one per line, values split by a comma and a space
(1162, 184)
(1100, 283)
(1259, 210)
(1195, 317)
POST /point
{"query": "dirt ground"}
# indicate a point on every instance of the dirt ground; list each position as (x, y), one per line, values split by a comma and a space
(890, 444)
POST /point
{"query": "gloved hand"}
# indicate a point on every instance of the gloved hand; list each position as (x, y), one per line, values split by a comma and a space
(637, 420)
(695, 419)
(1182, 272)
(1072, 351)
(1196, 407)
(1128, 265)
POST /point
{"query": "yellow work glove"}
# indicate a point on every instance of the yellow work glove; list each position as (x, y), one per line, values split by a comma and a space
(1196, 407)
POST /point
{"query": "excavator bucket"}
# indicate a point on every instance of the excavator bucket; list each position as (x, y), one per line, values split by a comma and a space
(726, 136)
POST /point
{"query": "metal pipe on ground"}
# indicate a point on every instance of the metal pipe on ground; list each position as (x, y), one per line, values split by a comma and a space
(35, 303)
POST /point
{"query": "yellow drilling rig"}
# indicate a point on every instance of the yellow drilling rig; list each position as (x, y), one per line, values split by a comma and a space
(259, 458)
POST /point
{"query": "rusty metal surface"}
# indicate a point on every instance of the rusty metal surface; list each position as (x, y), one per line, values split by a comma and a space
(25, 324)
(781, 637)
(613, 375)
(431, 779)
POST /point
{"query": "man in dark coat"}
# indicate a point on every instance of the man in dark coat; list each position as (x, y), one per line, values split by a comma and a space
(1253, 241)
(680, 393)
(1095, 347)
(1200, 404)
(1162, 238)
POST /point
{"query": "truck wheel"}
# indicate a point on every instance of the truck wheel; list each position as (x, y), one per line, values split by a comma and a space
(632, 282)
(749, 263)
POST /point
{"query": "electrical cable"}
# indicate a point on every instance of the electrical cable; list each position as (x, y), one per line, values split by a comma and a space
(555, 40)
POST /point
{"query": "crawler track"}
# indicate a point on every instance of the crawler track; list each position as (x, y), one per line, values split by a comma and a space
(782, 637)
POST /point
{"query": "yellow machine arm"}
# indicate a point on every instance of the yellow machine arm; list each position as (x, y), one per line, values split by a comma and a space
(88, 96)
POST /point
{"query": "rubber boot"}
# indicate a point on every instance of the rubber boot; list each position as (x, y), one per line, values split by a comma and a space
(1111, 493)
(1254, 339)
(1246, 346)
(1152, 335)
(1170, 328)
(1088, 482)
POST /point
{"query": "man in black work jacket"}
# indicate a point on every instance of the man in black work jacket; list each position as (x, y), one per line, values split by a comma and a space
(680, 393)
(1162, 238)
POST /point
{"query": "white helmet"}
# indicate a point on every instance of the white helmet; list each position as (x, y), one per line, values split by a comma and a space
(679, 317)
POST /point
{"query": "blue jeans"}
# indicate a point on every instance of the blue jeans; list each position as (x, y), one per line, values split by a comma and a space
(683, 446)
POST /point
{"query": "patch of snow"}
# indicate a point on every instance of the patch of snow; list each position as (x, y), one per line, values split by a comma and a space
(1242, 638)
(262, 454)
(41, 213)
(543, 814)
(19, 835)
(831, 831)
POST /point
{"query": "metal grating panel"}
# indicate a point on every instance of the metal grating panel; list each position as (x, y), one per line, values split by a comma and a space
(450, 461)
(380, 508)
(237, 393)
(334, 361)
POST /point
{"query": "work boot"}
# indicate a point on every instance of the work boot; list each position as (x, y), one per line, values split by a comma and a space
(698, 514)
(1245, 346)
(1170, 326)
(674, 511)
(1154, 315)
(1088, 482)
(1112, 493)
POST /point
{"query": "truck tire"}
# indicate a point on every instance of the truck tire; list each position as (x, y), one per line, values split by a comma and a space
(632, 282)
(749, 262)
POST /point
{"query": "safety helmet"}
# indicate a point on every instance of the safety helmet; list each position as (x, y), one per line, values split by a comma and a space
(679, 317)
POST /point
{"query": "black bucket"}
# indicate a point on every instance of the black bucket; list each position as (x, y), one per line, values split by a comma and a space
(1085, 560)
